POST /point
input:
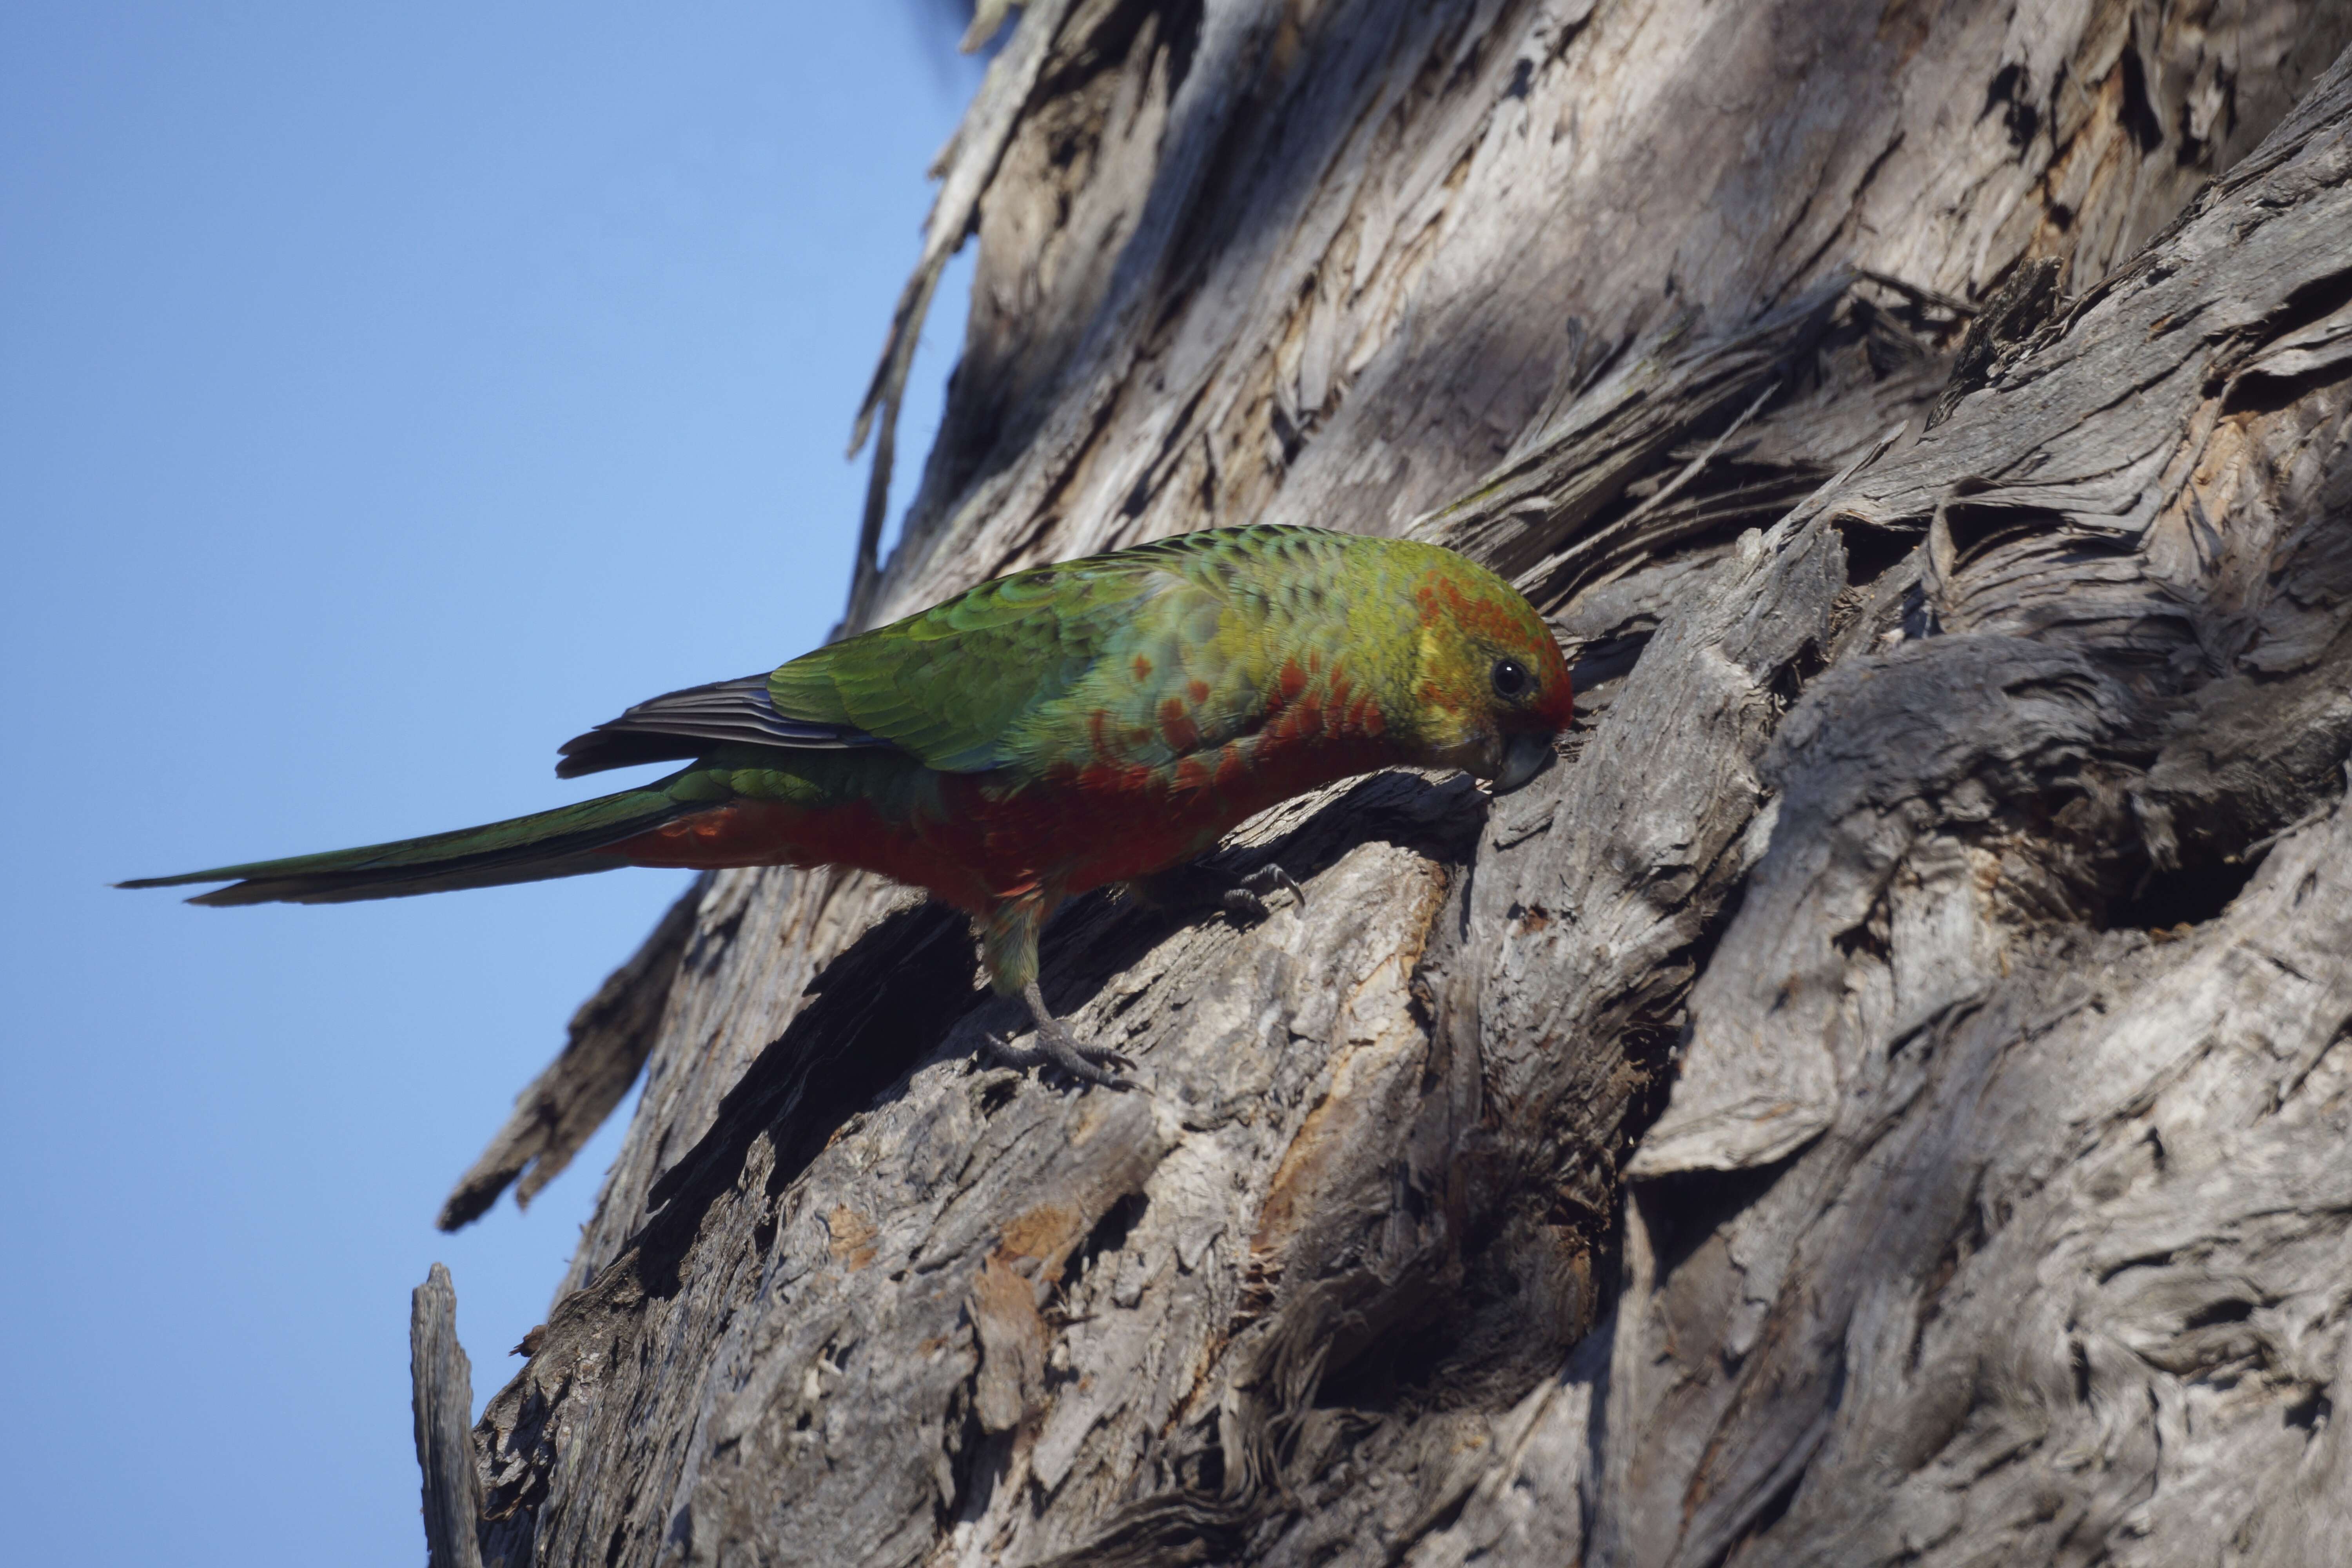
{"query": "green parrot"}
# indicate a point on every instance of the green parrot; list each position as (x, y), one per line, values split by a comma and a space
(1043, 735)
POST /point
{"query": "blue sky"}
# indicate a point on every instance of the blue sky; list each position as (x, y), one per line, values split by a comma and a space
(386, 394)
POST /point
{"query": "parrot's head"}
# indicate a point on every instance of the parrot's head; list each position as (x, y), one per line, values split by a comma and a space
(1490, 689)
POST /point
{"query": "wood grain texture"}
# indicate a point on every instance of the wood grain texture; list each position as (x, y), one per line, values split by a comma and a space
(1873, 1100)
(442, 1396)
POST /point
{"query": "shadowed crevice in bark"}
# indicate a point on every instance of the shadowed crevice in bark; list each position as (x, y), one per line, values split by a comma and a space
(872, 1016)
(889, 1004)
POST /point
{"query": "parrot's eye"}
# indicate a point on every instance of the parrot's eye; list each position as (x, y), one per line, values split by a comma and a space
(1511, 679)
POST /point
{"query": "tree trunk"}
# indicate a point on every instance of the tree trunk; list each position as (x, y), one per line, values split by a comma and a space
(1871, 1102)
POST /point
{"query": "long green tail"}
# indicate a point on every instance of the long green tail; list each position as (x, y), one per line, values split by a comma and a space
(559, 843)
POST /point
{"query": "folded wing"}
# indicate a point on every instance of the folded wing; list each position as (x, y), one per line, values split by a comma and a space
(679, 725)
(968, 685)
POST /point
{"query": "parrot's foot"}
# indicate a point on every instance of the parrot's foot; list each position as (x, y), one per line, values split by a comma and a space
(1246, 900)
(1056, 1045)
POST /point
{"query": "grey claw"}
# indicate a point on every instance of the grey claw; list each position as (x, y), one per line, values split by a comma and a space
(1246, 900)
(1056, 1045)
(1005, 1054)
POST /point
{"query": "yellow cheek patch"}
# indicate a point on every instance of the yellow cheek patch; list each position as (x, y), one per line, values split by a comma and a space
(1446, 681)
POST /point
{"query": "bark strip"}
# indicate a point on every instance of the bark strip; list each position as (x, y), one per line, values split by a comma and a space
(441, 1380)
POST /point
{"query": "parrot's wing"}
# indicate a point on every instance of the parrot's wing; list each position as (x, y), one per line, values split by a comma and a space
(957, 686)
(980, 681)
(953, 685)
(687, 723)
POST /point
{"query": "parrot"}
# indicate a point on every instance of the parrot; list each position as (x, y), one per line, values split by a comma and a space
(1050, 731)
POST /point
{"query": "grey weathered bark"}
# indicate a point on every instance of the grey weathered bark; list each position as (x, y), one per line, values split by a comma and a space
(1875, 1102)
(442, 1398)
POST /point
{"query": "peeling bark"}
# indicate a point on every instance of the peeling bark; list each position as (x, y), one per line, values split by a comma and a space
(442, 1384)
(1875, 1100)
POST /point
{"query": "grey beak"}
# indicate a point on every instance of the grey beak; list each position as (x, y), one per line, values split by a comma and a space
(1523, 759)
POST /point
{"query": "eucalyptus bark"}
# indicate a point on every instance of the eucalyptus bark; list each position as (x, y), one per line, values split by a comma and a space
(1875, 1100)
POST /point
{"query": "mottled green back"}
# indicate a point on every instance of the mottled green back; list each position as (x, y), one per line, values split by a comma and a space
(1029, 669)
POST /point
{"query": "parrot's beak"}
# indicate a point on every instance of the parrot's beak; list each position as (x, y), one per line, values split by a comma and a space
(1523, 759)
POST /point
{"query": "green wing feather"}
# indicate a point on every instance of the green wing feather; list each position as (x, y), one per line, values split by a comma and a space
(1025, 670)
(996, 676)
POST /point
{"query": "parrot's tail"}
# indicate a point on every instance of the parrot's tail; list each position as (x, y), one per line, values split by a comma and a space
(565, 842)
